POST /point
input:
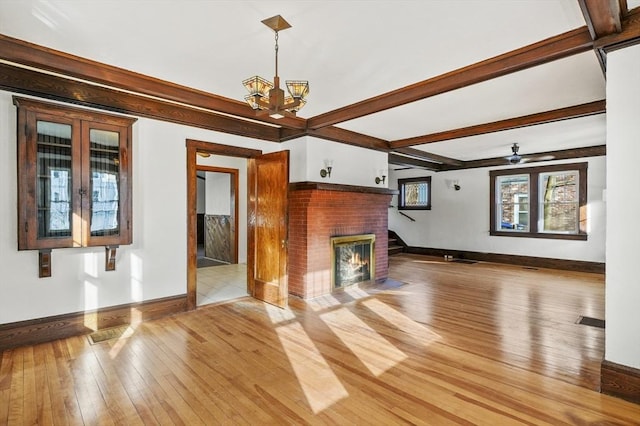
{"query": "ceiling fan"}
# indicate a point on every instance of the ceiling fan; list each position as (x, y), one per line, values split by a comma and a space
(515, 158)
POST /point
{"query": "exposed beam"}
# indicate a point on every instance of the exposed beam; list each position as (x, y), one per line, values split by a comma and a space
(39, 57)
(603, 17)
(350, 138)
(592, 151)
(35, 83)
(551, 49)
(226, 150)
(428, 156)
(629, 35)
(576, 111)
(401, 160)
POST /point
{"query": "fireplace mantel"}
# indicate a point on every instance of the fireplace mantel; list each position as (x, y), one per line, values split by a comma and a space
(321, 211)
(321, 186)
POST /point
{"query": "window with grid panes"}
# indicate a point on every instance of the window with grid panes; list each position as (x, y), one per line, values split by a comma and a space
(414, 193)
(542, 202)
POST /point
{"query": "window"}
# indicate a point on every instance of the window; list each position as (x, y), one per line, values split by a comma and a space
(414, 193)
(73, 177)
(546, 202)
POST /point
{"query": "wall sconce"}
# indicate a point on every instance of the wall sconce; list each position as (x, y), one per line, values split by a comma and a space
(453, 184)
(326, 172)
(380, 179)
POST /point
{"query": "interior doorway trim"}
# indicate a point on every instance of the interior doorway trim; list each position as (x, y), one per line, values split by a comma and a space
(193, 148)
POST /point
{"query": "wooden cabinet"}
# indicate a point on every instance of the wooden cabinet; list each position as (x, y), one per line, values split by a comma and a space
(74, 177)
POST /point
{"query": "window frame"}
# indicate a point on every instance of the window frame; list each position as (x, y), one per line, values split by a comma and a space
(401, 194)
(534, 201)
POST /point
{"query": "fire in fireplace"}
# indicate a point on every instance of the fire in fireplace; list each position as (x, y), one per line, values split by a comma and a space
(352, 259)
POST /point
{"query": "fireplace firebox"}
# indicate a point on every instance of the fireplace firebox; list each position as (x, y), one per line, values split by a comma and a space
(352, 259)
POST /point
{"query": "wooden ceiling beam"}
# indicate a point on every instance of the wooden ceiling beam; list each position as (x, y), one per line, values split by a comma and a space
(565, 154)
(629, 35)
(428, 156)
(576, 111)
(603, 17)
(39, 57)
(401, 160)
(348, 137)
(55, 87)
(551, 49)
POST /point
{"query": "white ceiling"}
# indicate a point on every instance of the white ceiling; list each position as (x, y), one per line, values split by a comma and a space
(349, 51)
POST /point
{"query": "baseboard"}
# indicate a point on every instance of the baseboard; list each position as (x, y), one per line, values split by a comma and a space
(529, 261)
(31, 332)
(620, 381)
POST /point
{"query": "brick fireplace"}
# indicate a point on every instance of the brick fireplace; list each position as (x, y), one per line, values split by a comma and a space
(319, 212)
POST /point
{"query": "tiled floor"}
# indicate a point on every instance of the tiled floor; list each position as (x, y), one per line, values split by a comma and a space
(221, 283)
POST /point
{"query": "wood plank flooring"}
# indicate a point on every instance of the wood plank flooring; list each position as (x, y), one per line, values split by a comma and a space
(439, 343)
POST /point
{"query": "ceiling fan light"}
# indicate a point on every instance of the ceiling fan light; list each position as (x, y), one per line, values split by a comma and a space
(298, 89)
(257, 86)
(515, 159)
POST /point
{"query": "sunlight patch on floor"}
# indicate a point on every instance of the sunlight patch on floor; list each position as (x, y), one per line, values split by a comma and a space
(320, 385)
(121, 342)
(321, 303)
(378, 356)
(402, 322)
(278, 314)
(356, 292)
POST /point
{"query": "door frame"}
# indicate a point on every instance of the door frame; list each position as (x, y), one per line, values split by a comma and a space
(193, 148)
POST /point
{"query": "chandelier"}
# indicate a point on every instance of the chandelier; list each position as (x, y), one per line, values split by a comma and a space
(268, 98)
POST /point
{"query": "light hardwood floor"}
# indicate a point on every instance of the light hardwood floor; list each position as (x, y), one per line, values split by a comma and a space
(440, 343)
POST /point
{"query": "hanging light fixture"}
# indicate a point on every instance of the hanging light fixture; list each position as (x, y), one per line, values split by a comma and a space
(268, 98)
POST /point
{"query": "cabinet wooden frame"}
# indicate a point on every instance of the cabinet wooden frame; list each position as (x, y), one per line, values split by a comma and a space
(30, 111)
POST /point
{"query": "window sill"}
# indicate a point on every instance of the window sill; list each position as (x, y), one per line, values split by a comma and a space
(414, 208)
(577, 237)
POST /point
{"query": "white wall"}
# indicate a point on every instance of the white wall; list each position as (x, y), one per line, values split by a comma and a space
(622, 298)
(201, 197)
(459, 220)
(218, 190)
(352, 165)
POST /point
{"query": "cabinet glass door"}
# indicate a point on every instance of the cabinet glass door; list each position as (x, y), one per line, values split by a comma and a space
(104, 181)
(54, 180)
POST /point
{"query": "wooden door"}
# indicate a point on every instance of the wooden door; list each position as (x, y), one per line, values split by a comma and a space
(267, 227)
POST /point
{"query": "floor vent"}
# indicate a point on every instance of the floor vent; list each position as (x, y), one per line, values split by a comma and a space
(531, 268)
(591, 322)
(467, 261)
(110, 333)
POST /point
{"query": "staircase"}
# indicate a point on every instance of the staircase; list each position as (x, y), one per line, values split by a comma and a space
(396, 245)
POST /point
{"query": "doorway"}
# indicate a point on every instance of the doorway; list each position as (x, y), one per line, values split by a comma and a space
(266, 225)
(220, 275)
